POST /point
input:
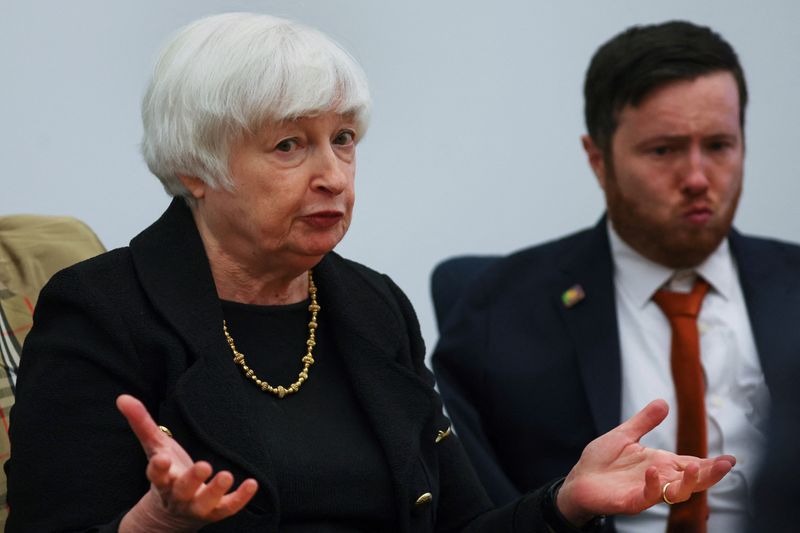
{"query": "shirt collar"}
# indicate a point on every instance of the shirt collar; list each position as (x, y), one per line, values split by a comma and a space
(640, 277)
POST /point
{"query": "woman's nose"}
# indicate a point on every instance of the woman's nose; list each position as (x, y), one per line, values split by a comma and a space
(331, 173)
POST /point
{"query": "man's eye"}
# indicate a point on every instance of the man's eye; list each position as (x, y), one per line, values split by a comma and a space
(720, 145)
(286, 145)
(661, 150)
(345, 137)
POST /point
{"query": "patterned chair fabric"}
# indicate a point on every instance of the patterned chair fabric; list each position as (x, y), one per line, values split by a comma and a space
(32, 248)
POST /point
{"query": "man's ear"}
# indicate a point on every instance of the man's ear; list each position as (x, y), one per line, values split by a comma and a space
(194, 185)
(596, 159)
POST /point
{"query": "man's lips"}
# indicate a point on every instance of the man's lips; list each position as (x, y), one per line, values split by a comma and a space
(323, 219)
(698, 215)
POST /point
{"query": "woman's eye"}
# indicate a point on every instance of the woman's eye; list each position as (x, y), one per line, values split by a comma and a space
(345, 137)
(286, 145)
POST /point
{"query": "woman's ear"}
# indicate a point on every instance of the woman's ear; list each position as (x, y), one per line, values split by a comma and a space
(194, 185)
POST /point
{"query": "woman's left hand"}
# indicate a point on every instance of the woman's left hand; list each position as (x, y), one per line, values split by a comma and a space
(617, 475)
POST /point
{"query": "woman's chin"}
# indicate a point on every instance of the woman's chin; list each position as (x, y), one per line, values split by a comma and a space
(321, 244)
(316, 251)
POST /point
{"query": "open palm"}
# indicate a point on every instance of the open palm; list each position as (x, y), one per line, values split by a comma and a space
(181, 496)
(617, 475)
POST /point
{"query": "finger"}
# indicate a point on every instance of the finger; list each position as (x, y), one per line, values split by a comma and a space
(711, 475)
(140, 422)
(723, 464)
(234, 502)
(158, 471)
(188, 483)
(652, 486)
(726, 458)
(720, 469)
(645, 420)
(687, 484)
(209, 497)
(683, 460)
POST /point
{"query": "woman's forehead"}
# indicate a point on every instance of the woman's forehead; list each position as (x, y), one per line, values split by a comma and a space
(331, 117)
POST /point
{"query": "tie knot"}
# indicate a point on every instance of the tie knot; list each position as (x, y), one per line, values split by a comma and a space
(675, 304)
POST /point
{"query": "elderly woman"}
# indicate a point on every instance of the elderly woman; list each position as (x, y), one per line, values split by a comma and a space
(286, 384)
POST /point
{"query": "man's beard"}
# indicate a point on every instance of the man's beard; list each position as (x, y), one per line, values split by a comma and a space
(669, 243)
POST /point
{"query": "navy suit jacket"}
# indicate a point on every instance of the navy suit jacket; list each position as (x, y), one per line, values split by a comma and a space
(775, 494)
(529, 381)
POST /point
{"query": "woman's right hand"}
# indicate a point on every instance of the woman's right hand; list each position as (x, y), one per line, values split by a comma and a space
(617, 475)
(180, 497)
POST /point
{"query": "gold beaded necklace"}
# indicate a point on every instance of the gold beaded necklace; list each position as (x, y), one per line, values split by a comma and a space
(308, 359)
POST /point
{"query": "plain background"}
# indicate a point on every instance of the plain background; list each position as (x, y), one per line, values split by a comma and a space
(474, 141)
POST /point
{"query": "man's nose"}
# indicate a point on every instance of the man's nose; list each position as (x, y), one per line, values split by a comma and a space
(695, 175)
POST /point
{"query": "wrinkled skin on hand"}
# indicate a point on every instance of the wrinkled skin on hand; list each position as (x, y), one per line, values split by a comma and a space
(617, 475)
(181, 496)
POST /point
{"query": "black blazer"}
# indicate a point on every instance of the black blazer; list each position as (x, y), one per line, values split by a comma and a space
(529, 381)
(146, 320)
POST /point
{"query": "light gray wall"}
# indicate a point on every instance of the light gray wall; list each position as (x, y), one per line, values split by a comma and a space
(473, 145)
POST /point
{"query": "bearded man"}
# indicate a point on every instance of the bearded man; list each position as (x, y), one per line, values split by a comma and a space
(583, 331)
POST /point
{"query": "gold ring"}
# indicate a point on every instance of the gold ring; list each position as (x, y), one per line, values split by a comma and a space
(165, 430)
(664, 493)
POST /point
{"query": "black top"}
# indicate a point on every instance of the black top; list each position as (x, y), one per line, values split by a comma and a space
(325, 410)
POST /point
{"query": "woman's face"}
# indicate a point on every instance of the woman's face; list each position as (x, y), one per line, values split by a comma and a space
(292, 198)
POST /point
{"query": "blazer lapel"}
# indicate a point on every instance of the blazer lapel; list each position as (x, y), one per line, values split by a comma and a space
(592, 324)
(772, 295)
(173, 269)
(397, 402)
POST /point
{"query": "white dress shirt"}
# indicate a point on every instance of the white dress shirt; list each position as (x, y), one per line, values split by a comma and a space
(737, 400)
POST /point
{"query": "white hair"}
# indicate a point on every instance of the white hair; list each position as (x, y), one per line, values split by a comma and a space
(225, 75)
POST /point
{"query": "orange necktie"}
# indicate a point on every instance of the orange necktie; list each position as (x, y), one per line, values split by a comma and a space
(681, 310)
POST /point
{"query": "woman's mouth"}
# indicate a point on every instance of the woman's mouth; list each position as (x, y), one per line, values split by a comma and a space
(323, 219)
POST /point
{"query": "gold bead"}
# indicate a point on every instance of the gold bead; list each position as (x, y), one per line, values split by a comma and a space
(307, 360)
(424, 499)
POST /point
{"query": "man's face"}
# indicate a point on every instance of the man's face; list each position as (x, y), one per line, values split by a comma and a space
(673, 177)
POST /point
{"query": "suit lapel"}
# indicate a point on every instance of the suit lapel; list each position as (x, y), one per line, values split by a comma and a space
(397, 402)
(173, 270)
(592, 324)
(772, 296)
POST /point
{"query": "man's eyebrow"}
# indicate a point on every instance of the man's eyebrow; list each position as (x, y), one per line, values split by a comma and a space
(665, 138)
